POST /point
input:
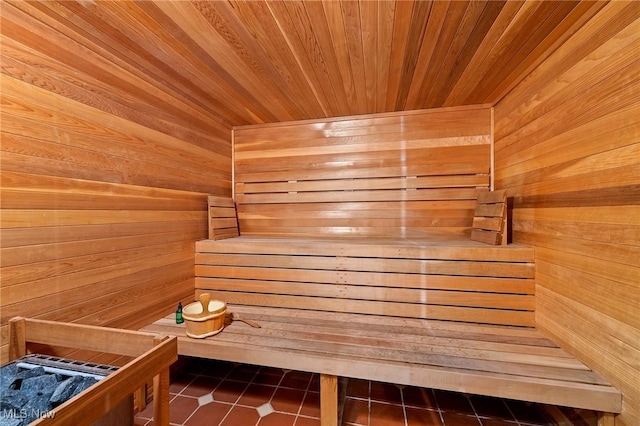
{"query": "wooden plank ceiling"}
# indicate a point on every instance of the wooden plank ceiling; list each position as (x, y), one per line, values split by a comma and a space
(250, 62)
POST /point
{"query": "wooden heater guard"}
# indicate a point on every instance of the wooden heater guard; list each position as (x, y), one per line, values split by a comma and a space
(153, 356)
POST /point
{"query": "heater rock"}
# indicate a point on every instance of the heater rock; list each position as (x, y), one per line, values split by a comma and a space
(37, 407)
(29, 394)
(9, 421)
(11, 399)
(65, 389)
(40, 385)
(29, 373)
(82, 385)
(7, 376)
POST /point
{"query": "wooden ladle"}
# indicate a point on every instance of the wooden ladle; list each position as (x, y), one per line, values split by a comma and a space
(236, 317)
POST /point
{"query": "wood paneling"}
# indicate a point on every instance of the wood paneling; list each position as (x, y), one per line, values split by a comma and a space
(105, 176)
(439, 277)
(567, 151)
(116, 121)
(199, 64)
(381, 174)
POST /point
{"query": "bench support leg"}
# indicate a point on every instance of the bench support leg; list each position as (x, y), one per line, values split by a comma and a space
(328, 400)
(606, 419)
(161, 399)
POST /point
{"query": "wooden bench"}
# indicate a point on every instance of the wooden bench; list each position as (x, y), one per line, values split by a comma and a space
(510, 362)
(435, 310)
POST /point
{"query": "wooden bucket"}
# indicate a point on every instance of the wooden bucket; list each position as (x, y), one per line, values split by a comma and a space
(204, 318)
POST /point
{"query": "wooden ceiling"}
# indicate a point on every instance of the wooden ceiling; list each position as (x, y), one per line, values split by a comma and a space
(249, 62)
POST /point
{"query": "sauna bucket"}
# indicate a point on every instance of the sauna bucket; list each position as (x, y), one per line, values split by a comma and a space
(204, 318)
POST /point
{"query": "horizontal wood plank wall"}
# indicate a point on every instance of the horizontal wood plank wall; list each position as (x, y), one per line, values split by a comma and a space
(105, 176)
(567, 150)
(454, 280)
(385, 174)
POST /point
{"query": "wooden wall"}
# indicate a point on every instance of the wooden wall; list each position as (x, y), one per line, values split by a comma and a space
(568, 151)
(105, 173)
(384, 174)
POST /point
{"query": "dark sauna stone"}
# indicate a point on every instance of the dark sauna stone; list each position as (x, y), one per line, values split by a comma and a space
(64, 390)
(23, 375)
(37, 386)
(7, 420)
(34, 372)
(29, 394)
(37, 407)
(82, 385)
(11, 399)
(7, 376)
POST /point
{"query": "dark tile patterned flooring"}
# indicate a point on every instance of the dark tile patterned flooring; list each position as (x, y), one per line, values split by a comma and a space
(210, 393)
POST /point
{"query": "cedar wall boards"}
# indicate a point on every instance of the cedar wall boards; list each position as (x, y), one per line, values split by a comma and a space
(567, 150)
(105, 170)
(102, 195)
(385, 174)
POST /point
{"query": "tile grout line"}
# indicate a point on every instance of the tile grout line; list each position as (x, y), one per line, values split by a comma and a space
(198, 407)
(284, 373)
(513, 415)
(235, 404)
(195, 377)
(213, 390)
(304, 397)
(435, 398)
(475, 412)
(404, 408)
(369, 405)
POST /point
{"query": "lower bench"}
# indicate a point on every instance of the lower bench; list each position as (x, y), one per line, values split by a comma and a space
(492, 360)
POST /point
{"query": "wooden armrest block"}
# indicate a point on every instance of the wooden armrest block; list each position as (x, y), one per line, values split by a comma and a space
(223, 219)
(490, 219)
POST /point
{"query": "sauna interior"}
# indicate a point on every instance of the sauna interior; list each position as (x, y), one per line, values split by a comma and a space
(119, 119)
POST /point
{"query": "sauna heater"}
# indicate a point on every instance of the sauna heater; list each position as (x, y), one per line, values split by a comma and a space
(52, 373)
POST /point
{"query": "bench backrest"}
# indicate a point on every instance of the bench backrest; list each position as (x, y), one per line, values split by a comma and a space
(383, 175)
(490, 219)
(223, 220)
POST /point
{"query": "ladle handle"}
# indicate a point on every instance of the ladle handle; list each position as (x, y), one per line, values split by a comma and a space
(204, 301)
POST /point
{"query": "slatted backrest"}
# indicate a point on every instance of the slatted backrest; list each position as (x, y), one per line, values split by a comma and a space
(223, 221)
(392, 174)
(490, 219)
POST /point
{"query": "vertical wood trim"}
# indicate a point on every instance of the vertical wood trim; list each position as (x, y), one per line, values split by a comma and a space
(606, 419)
(161, 393)
(17, 338)
(140, 399)
(492, 165)
(161, 399)
(233, 164)
(328, 400)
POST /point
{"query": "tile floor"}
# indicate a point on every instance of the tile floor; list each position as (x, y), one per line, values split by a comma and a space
(214, 393)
